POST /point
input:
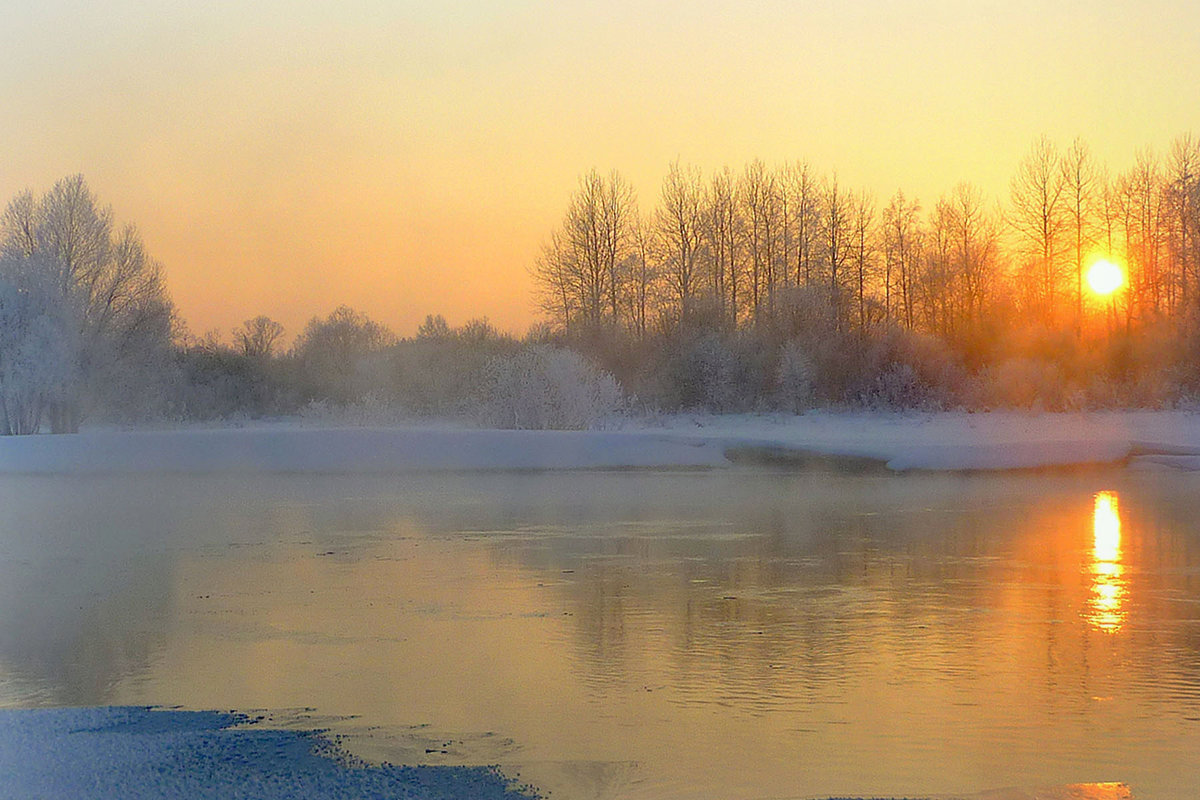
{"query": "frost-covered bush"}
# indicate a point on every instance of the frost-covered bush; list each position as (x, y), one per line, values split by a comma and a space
(217, 382)
(710, 370)
(899, 388)
(1024, 383)
(795, 378)
(369, 412)
(715, 367)
(907, 370)
(544, 387)
(443, 372)
(337, 356)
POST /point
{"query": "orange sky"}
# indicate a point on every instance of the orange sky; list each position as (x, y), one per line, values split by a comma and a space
(407, 158)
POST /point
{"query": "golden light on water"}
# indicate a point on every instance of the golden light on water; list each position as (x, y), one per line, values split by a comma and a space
(1106, 606)
(1104, 277)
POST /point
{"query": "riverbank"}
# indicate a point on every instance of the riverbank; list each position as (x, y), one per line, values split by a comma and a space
(899, 442)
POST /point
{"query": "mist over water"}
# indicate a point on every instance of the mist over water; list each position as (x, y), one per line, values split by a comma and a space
(746, 633)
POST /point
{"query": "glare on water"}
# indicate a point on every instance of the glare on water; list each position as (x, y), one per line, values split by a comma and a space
(1106, 606)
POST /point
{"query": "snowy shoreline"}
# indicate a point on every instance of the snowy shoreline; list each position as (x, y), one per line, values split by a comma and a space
(941, 442)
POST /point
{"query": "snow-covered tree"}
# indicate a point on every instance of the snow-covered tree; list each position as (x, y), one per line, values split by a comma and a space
(545, 387)
(333, 354)
(795, 377)
(38, 347)
(105, 284)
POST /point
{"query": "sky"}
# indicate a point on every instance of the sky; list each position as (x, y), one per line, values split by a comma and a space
(409, 158)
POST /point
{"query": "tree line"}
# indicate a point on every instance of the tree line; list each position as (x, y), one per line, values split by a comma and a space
(769, 288)
(739, 247)
(88, 333)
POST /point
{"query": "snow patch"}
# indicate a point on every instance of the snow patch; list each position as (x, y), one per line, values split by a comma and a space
(133, 753)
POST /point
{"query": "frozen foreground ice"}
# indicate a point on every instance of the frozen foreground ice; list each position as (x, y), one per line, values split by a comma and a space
(131, 753)
(948, 441)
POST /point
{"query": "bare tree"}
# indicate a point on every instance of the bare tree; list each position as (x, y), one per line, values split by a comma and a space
(1039, 216)
(974, 239)
(333, 351)
(936, 283)
(643, 277)
(723, 233)
(557, 276)
(835, 239)
(579, 273)
(679, 226)
(257, 337)
(902, 247)
(803, 189)
(1080, 179)
(862, 249)
(20, 226)
(755, 189)
(1145, 212)
(1182, 186)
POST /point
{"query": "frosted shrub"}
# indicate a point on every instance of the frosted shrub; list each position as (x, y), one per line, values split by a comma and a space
(717, 369)
(369, 412)
(795, 378)
(1026, 383)
(545, 387)
(708, 371)
(899, 388)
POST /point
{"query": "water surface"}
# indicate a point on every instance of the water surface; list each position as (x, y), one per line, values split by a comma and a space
(744, 633)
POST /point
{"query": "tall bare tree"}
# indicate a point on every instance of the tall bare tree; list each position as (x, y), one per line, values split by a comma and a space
(902, 248)
(1039, 216)
(580, 271)
(1080, 179)
(643, 276)
(973, 244)
(835, 239)
(862, 249)
(679, 225)
(1182, 187)
(723, 233)
(755, 189)
(1145, 212)
(803, 189)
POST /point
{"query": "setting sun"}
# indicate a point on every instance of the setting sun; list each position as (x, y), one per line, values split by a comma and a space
(1105, 277)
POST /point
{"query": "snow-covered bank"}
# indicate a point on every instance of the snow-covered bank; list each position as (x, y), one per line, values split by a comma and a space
(963, 441)
(950, 441)
(73, 753)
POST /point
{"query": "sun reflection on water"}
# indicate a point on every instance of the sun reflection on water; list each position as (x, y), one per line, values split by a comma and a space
(1106, 610)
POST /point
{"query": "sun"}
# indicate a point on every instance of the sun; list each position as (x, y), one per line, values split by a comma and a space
(1105, 277)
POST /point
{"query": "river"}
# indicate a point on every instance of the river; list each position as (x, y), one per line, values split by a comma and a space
(748, 633)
